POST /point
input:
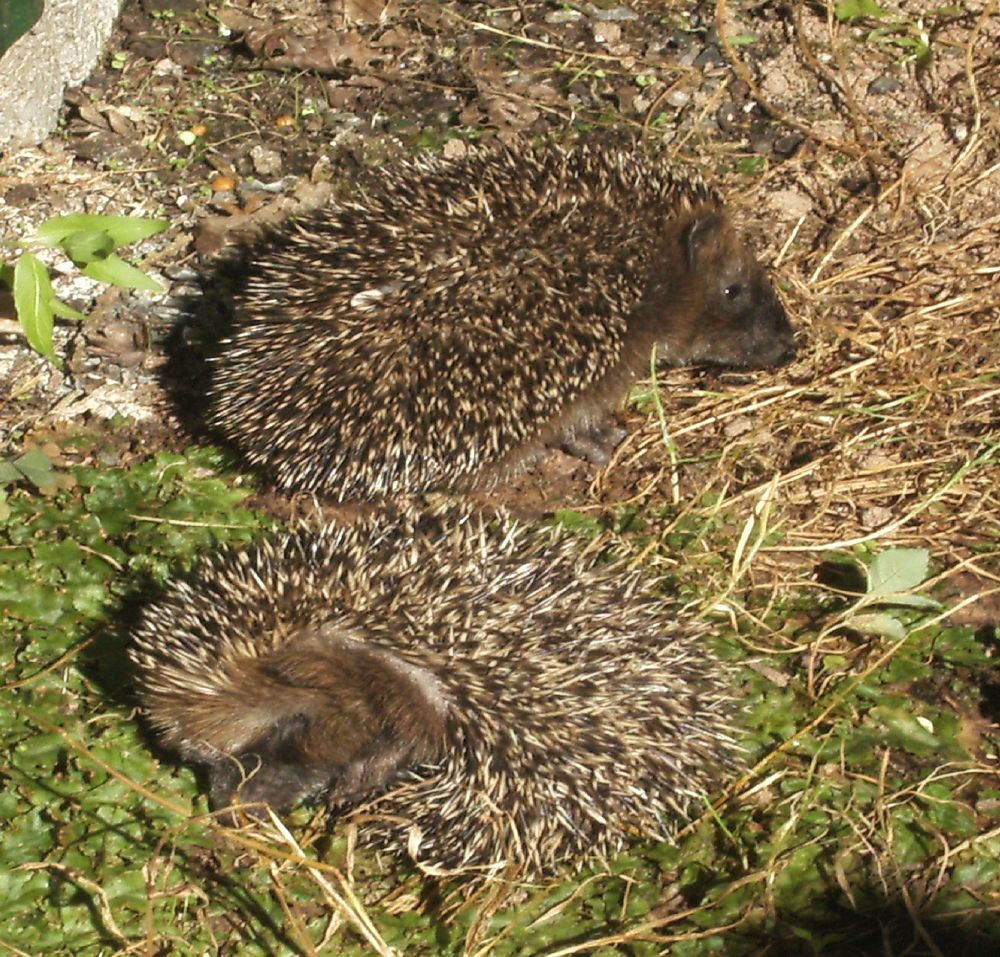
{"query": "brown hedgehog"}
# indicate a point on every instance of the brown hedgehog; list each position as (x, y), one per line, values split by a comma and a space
(463, 314)
(477, 696)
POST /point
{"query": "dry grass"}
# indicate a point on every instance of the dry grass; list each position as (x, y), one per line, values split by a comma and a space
(885, 428)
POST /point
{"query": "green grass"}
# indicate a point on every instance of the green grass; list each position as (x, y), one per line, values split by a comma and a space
(870, 821)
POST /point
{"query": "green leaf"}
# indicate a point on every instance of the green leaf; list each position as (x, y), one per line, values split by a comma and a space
(858, 9)
(116, 271)
(65, 312)
(17, 17)
(36, 467)
(33, 301)
(7, 272)
(577, 521)
(904, 730)
(86, 245)
(121, 229)
(909, 843)
(897, 571)
(8, 473)
(751, 165)
(909, 601)
(877, 624)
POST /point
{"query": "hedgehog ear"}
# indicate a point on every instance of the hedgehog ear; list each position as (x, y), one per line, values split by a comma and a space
(701, 236)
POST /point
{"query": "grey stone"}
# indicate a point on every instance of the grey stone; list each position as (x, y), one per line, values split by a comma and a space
(788, 144)
(710, 56)
(678, 98)
(762, 139)
(617, 13)
(265, 162)
(563, 16)
(59, 51)
(883, 84)
(728, 117)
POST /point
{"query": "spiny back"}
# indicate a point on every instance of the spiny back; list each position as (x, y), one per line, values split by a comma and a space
(576, 708)
(410, 338)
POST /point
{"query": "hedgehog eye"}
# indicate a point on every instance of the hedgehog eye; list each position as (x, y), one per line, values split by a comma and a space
(733, 291)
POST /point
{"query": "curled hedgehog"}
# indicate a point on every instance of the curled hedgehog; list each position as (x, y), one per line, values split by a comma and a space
(477, 696)
(460, 315)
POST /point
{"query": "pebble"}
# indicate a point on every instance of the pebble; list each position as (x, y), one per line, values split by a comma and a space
(678, 98)
(615, 13)
(883, 84)
(728, 118)
(563, 16)
(607, 32)
(787, 145)
(762, 139)
(710, 56)
(265, 162)
(181, 273)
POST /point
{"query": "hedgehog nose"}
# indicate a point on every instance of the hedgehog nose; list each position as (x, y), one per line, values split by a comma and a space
(787, 354)
(783, 347)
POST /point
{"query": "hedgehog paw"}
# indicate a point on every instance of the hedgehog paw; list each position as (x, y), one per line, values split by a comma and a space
(596, 445)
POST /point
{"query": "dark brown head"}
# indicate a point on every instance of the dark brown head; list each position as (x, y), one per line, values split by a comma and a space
(319, 716)
(710, 300)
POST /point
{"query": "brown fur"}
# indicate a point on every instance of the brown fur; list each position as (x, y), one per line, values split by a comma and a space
(688, 317)
(318, 714)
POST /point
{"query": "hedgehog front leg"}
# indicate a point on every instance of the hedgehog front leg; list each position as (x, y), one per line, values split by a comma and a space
(595, 444)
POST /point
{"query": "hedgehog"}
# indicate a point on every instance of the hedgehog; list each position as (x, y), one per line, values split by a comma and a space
(459, 316)
(475, 696)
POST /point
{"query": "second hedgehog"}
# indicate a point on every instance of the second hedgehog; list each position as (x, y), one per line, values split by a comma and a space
(463, 314)
(474, 695)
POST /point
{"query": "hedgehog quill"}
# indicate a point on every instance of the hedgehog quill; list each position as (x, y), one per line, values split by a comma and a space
(460, 316)
(475, 695)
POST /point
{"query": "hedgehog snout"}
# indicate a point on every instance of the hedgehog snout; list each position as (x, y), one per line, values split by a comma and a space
(750, 332)
(343, 720)
(761, 339)
(772, 336)
(256, 781)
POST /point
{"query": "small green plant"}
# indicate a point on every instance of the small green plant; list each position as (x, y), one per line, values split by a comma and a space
(90, 242)
(34, 466)
(911, 36)
(37, 468)
(751, 165)
(850, 10)
(891, 579)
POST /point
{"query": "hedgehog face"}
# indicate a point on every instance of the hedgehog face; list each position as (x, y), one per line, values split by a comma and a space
(322, 716)
(729, 311)
(271, 771)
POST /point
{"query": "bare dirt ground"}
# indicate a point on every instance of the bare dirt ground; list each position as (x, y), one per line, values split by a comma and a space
(861, 156)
